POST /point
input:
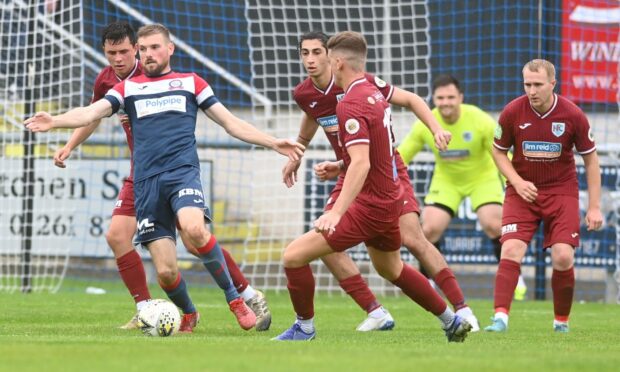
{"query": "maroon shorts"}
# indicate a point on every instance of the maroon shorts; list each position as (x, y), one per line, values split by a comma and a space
(125, 202)
(356, 227)
(410, 202)
(559, 214)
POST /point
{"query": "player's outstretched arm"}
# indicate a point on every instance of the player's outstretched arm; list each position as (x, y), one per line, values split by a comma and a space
(412, 143)
(353, 183)
(594, 216)
(78, 117)
(416, 104)
(248, 133)
(77, 137)
(526, 189)
(307, 130)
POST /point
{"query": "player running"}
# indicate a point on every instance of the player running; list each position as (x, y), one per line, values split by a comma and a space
(317, 96)
(368, 207)
(543, 128)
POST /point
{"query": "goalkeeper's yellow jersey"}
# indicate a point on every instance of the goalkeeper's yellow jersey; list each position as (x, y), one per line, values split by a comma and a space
(468, 157)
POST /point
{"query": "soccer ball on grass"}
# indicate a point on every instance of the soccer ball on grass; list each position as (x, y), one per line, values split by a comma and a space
(159, 318)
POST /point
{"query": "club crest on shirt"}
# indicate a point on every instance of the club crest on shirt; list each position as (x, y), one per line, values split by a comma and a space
(339, 97)
(468, 136)
(557, 128)
(175, 84)
(352, 126)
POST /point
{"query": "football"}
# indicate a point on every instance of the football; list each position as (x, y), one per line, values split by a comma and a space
(159, 318)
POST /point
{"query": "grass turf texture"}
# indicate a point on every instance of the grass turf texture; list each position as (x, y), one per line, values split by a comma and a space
(72, 330)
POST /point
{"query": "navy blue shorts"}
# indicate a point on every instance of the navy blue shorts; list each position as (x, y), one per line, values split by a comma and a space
(159, 198)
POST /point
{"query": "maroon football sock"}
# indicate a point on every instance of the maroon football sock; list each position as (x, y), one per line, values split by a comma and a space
(238, 279)
(301, 289)
(131, 270)
(505, 283)
(563, 285)
(446, 280)
(357, 288)
(417, 287)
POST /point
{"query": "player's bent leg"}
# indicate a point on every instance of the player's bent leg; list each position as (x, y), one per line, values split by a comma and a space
(435, 265)
(413, 237)
(506, 279)
(255, 299)
(351, 281)
(416, 286)
(130, 266)
(193, 230)
(296, 258)
(163, 252)
(562, 284)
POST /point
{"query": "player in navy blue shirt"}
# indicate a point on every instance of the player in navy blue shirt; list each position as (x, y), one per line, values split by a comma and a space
(162, 106)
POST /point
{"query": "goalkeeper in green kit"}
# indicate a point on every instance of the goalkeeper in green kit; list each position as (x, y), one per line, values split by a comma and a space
(465, 169)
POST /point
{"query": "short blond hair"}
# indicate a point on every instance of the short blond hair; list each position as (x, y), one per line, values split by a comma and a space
(536, 64)
(156, 28)
(353, 44)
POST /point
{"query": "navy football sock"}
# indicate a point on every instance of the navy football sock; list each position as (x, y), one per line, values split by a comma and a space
(214, 261)
(177, 293)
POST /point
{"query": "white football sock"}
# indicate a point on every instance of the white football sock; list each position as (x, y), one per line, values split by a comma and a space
(141, 304)
(502, 316)
(446, 318)
(307, 325)
(248, 293)
(378, 313)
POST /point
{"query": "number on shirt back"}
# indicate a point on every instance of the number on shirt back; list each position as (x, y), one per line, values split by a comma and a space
(387, 123)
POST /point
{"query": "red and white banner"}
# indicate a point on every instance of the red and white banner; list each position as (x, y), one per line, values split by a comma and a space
(590, 50)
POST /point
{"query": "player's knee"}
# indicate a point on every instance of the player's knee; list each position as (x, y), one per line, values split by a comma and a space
(292, 257)
(563, 260)
(118, 242)
(512, 252)
(431, 232)
(196, 234)
(167, 275)
(492, 229)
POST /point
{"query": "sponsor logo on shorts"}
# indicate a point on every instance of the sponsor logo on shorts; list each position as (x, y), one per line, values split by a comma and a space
(312, 104)
(510, 228)
(329, 123)
(119, 203)
(150, 106)
(574, 235)
(192, 192)
(145, 226)
(539, 149)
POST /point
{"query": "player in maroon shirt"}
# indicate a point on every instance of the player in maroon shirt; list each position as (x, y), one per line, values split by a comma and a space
(317, 96)
(370, 202)
(543, 128)
(119, 46)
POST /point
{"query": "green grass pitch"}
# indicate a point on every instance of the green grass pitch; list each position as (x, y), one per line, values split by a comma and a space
(74, 331)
